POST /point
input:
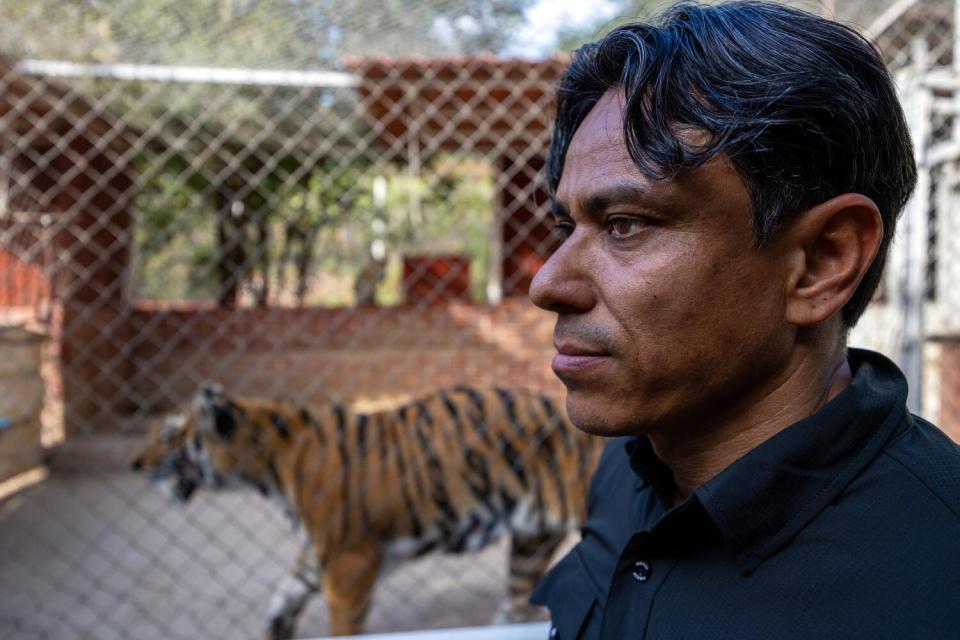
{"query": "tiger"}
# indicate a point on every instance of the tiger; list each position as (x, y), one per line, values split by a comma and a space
(451, 471)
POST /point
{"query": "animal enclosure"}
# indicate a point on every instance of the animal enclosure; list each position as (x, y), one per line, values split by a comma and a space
(322, 205)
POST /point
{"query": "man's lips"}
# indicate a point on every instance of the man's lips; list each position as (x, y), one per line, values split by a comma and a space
(574, 358)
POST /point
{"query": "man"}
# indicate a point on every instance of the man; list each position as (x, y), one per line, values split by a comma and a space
(726, 183)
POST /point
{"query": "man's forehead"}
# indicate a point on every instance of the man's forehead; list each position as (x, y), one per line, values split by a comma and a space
(602, 129)
(597, 158)
(597, 153)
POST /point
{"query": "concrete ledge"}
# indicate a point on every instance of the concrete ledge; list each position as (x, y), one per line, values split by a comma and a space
(532, 631)
(93, 453)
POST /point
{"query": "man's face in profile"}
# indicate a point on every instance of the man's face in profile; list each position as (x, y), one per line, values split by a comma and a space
(668, 314)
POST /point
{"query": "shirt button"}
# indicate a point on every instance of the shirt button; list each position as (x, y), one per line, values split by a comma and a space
(641, 571)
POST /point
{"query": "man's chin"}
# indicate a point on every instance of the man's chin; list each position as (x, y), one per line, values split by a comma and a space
(598, 418)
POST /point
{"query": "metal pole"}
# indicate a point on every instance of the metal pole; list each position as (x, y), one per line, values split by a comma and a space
(188, 74)
(910, 296)
(956, 51)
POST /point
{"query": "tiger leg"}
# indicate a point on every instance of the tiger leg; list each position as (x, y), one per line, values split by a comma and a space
(530, 555)
(292, 594)
(348, 581)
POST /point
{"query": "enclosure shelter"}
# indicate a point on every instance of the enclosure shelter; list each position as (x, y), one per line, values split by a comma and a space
(67, 224)
(489, 105)
(314, 203)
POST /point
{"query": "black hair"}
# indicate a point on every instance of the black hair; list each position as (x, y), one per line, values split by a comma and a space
(803, 107)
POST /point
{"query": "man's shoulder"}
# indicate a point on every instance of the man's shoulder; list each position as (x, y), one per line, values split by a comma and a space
(930, 461)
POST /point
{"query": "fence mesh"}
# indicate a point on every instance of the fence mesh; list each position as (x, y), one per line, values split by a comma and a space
(317, 204)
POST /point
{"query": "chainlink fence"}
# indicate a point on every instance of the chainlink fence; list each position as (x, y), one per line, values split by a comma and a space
(308, 202)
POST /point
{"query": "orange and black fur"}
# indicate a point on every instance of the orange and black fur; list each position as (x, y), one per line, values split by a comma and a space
(451, 471)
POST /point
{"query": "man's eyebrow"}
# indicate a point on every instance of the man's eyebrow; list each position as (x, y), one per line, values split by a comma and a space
(594, 204)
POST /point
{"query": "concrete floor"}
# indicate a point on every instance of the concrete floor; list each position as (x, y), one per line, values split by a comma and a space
(106, 555)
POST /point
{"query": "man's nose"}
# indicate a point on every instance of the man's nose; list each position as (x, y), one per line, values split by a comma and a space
(562, 284)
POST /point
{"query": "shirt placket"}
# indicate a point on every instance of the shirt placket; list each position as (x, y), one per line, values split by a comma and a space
(641, 571)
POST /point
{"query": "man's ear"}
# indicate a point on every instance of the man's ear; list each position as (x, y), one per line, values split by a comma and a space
(832, 246)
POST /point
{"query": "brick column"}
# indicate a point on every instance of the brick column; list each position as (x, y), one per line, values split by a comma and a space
(93, 244)
(950, 386)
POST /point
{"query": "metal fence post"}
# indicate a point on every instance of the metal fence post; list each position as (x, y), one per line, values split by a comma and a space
(909, 283)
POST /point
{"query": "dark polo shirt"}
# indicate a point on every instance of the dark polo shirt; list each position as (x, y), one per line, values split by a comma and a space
(844, 525)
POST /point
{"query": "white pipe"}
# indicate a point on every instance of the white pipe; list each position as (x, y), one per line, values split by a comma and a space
(200, 75)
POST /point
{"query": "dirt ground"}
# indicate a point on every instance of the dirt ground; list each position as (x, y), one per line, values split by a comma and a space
(106, 555)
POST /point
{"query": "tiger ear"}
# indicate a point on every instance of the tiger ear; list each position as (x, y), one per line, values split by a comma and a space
(215, 410)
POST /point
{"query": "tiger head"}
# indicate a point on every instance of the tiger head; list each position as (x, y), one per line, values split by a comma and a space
(217, 443)
(165, 456)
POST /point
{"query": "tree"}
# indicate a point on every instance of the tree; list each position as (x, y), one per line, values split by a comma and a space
(266, 162)
(571, 38)
(253, 33)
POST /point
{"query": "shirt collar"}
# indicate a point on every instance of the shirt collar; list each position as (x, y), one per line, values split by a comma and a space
(762, 500)
(650, 469)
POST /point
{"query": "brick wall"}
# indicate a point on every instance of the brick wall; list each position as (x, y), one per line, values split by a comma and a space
(21, 284)
(363, 356)
(370, 357)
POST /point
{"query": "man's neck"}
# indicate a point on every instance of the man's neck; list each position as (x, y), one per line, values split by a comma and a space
(696, 456)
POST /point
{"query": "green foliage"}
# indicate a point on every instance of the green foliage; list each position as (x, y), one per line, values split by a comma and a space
(456, 213)
(330, 216)
(175, 242)
(252, 33)
(446, 209)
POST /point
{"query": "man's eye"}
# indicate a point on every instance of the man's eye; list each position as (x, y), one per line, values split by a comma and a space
(624, 227)
(562, 230)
